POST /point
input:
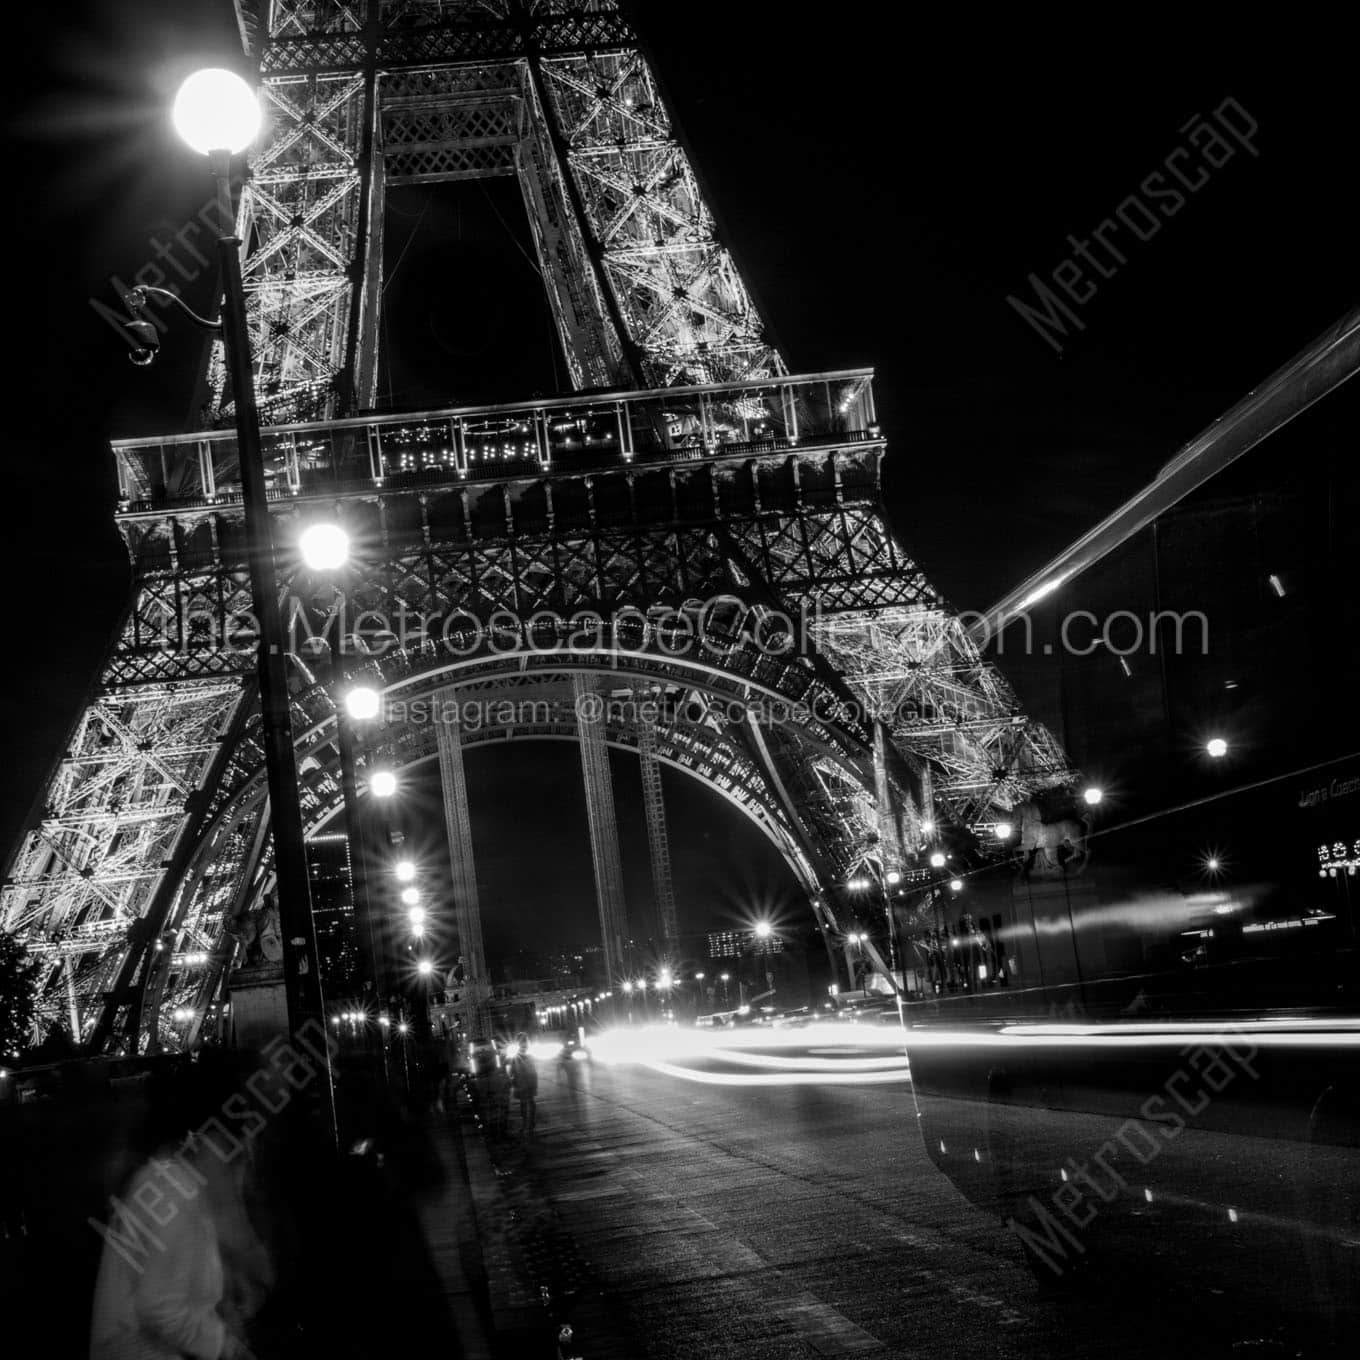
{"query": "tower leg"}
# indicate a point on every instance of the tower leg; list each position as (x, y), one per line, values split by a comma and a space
(467, 908)
(72, 1005)
(604, 827)
(658, 841)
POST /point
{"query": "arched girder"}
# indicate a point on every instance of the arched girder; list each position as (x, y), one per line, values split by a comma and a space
(832, 765)
(765, 818)
(407, 685)
(695, 749)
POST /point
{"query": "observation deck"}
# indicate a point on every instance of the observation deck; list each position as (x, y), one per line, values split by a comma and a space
(597, 431)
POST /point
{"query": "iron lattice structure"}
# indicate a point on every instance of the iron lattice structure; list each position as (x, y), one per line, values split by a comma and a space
(367, 95)
(701, 549)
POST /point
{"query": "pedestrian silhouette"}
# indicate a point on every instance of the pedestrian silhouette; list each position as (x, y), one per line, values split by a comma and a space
(524, 1078)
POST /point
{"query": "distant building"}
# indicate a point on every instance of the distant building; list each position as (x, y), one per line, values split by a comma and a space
(337, 942)
(732, 944)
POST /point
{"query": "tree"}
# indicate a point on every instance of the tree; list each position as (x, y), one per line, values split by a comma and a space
(18, 997)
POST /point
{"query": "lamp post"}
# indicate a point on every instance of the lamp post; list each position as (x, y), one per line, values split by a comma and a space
(218, 115)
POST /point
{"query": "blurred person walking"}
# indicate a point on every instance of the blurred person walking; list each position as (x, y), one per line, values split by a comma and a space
(524, 1078)
(182, 1271)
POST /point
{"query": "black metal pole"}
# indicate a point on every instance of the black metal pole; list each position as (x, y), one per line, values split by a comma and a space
(301, 977)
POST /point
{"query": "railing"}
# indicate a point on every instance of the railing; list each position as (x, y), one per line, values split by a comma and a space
(596, 431)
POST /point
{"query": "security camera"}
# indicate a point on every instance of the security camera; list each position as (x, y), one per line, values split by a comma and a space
(147, 341)
(143, 335)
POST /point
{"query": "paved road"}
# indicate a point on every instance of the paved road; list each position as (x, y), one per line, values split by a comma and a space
(760, 1222)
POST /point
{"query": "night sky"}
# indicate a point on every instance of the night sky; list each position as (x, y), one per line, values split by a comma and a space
(883, 188)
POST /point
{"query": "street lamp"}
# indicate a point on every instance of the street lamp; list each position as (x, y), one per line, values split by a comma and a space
(1093, 795)
(404, 870)
(218, 115)
(1003, 831)
(324, 547)
(363, 703)
(410, 897)
(1216, 747)
(215, 110)
(937, 859)
(763, 931)
(382, 783)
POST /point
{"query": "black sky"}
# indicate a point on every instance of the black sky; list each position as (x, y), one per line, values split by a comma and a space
(883, 184)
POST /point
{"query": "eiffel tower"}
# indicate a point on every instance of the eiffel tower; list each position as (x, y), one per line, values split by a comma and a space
(691, 541)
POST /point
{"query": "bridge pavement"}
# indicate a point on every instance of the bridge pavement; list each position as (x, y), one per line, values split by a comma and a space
(772, 1222)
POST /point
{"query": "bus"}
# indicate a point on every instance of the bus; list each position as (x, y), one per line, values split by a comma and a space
(1136, 1042)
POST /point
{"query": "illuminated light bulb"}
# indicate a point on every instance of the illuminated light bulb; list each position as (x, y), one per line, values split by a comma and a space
(363, 703)
(927, 828)
(404, 870)
(763, 930)
(1216, 747)
(894, 878)
(215, 110)
(1093, 795)
(382, 783)
(937, 859)
(410, 896)
(424, 967)
(324, 547)
(1003, 831)
(956, 885)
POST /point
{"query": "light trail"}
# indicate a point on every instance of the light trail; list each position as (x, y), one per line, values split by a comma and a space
(781, 1078)
(1309, 1024)
(653, 1042)
(811, 1063)
(669, 1051)
(1335, 1034)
